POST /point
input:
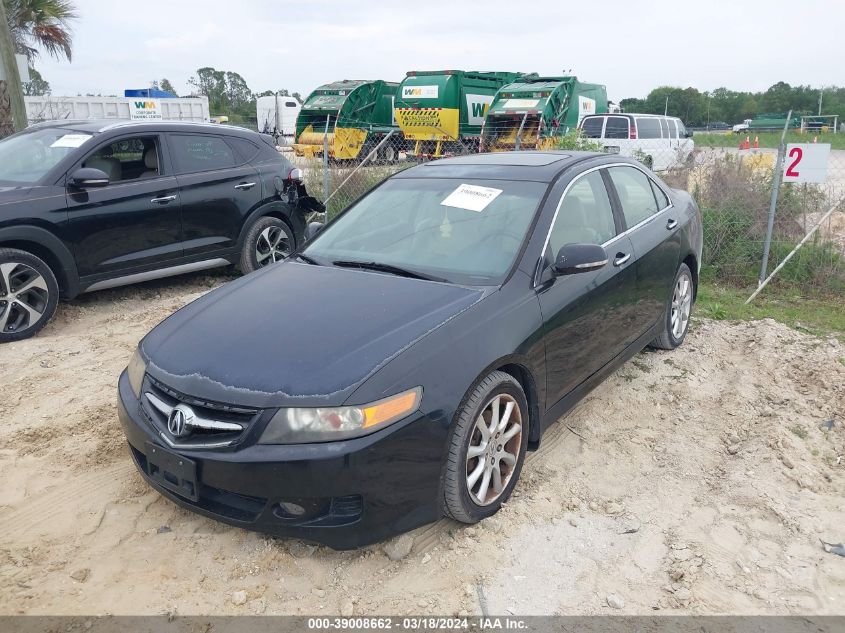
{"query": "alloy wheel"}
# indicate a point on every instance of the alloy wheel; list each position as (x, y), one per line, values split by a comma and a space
(272, 246)
(23, 297)
(494, 445)
(681, 305)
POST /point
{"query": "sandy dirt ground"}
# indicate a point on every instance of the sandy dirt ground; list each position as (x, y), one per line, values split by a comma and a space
(697, 481)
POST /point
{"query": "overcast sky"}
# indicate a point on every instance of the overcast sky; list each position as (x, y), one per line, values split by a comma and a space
(630, 46)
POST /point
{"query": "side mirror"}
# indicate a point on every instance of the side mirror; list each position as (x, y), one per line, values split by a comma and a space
(88, 178)
(312, 229)
(688, 134)
(579, 258)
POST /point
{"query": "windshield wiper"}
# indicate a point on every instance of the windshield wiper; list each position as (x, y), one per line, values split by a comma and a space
(307, 260)
(387, 268)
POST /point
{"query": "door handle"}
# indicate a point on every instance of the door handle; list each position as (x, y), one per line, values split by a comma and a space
(671, 224)
(621, 258)
(163, 199)
(245, 185)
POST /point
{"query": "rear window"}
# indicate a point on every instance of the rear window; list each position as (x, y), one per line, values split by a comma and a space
(648, 128)
(617, 127)
(591, 127)
(195, 152)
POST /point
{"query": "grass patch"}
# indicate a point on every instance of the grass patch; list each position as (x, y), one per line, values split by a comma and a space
(799, 431)
(820, 316)
(767, 139)
(644, 367)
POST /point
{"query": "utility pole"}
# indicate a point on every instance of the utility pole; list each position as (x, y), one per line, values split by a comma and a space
(821, 92)
(12, 108)
(666, 109)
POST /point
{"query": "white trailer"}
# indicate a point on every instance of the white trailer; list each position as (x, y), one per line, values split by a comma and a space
(268, 123)
(52, 108)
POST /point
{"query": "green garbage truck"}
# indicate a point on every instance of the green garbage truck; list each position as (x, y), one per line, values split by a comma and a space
(533, 111)
(354, 115)
(441, 111)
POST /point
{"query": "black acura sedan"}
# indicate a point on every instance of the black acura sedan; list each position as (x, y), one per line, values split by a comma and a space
(398, 368)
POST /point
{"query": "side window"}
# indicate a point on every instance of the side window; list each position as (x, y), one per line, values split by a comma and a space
(585, 216)
(617, 127)
(673, 129)
(591, 126)
(664, 125)
(127, 159)
(195, 152)
(290, 104)
(648, 127)
(244, 148)
(635, 194)
(662, 199)
(682, 130)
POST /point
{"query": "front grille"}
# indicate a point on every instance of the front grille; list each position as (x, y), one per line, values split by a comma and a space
(216, 422)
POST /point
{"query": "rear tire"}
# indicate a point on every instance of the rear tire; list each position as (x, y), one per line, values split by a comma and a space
(29, 294)
(492, 424)
(678, 311)
(267, 241)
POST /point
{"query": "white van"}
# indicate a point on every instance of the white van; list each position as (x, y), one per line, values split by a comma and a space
(266, 112)
(660, 142)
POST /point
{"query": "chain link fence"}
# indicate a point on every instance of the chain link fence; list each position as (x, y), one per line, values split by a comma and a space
(732, 184)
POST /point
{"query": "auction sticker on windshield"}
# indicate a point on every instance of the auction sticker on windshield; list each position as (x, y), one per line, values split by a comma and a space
(71, 140)
(471, 197)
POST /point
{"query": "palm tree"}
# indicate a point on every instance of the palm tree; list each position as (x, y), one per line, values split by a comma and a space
(33, 25)
(41, 24)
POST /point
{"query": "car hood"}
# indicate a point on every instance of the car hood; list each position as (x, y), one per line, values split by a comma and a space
(297, 334)
(13, 193)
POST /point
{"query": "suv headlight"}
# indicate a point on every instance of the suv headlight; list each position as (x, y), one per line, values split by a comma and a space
(135, 372)
(301, 425)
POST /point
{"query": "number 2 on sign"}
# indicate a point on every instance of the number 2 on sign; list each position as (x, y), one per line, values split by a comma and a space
(797, 153)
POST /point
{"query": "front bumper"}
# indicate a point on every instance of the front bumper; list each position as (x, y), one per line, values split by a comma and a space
(353, 492)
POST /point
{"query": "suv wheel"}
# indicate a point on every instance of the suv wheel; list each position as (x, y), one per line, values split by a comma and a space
(487, 449)
(269, 240)
(29, 294)
(676, 321)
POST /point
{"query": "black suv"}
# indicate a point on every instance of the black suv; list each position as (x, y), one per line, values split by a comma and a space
(86, 205)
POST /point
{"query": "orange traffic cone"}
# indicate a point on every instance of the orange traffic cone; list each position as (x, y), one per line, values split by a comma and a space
(740, 142)
(756, 142)
(747, 143)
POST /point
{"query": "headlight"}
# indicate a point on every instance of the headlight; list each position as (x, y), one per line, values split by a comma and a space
(135, 372)
(298, 426)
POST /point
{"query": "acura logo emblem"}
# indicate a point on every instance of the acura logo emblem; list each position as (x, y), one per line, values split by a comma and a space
(180, 420)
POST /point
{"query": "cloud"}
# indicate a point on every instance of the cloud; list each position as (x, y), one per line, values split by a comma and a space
(630, 46)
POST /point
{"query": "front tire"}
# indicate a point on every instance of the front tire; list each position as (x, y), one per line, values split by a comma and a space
(676, 320)
(29, 294)
(268, 241)
(486, 450)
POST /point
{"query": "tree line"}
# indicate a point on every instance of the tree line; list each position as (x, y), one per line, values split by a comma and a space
(697, 108)
(228, 92)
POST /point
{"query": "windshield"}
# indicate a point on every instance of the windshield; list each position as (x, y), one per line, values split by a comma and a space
(28, 157)
(464, 231)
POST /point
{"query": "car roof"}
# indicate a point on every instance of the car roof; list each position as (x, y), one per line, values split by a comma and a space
(637, 114)
(535, 166)
(97, 126)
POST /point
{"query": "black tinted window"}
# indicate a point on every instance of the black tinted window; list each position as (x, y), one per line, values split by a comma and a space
(662, 199)
(617, 127)
(635, 194)
(591, 127)
(244, 148)
(200, 153)
(127, 159)
(648, 128)
(585, 216)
